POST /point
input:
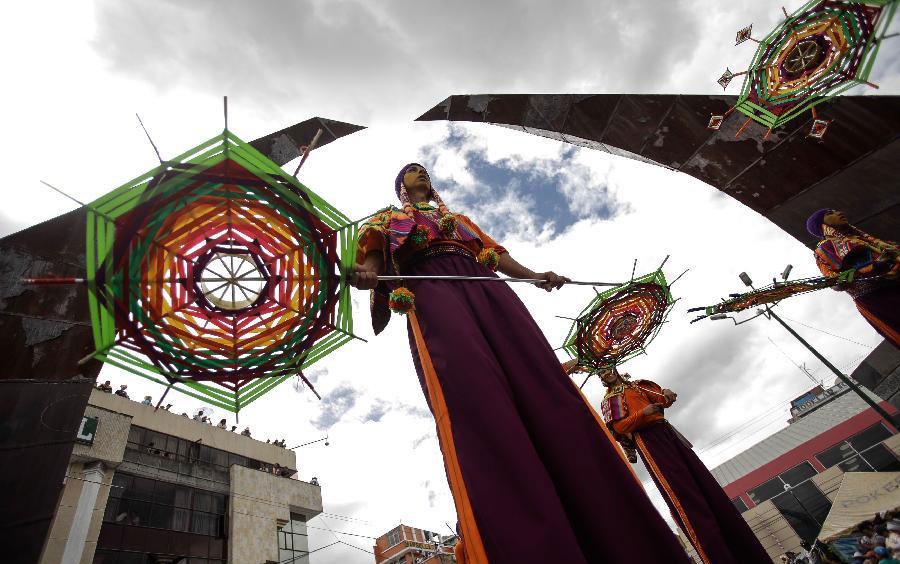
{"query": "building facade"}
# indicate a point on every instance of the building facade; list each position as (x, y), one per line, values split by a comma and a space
(784, 485)
(408, 545)
(146, 486)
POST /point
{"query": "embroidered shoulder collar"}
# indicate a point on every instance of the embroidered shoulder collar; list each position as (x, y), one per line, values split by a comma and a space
(616, 390)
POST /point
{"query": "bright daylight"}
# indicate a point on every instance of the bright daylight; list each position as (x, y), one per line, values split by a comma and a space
(507, 282)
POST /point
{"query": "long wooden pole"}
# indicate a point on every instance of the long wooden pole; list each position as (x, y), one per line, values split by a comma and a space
(492, 279)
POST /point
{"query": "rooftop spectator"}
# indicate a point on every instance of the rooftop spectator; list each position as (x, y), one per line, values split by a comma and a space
(147, 400)
(183, 414)
(221, 424)
(314, 481)
(121, 391)
(246, 432)
(168, 406)
(893, 535)
(105, 387)
(884, 555)
(233, 427)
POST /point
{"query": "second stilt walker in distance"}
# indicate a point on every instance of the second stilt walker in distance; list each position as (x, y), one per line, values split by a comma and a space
(530, 465)
(634, 411)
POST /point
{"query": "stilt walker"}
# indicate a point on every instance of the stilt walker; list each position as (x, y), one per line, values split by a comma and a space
(532, 474)
(843, 247)
(635, 413)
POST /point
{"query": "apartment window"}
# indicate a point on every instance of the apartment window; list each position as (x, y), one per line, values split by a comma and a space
(148, 516)
(739, 504)
(159, 450)
(805, 508)
(863, 452)
(395, 536)
(798, 474)
(293, 544)
(835, 454)
(766, 491)
(881, 459)
(870, 437)
(787, 479)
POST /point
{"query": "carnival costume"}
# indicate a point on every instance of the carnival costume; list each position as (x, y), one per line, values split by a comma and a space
(697, 502)
(533, 474)
(878, 300)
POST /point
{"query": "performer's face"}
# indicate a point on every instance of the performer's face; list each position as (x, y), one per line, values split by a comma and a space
(416, 181)
(835, 218)
(609, 376)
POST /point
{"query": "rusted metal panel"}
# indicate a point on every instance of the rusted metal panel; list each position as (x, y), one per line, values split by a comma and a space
(547, 112)
(727, 154)
(590, 115)
(799, 162)
(635, 121)
(284, 145)
(37, 433)
(866, 190)
(45, 330)
(506, 109)
(781, 174)
(684, 130)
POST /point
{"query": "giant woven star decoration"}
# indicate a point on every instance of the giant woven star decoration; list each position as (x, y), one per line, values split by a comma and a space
(824, 48)
(218, 274)
(619, 323)
(772, 294)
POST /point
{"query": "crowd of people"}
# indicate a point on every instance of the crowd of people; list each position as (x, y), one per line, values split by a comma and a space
(199, 416)
(879, 541)
(876, 541)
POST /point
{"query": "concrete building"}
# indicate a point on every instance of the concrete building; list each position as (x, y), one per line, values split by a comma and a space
(146, 487)
(785, 484)
(408, 545)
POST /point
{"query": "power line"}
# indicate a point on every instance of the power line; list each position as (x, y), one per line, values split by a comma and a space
(827, 333)
(802, 369)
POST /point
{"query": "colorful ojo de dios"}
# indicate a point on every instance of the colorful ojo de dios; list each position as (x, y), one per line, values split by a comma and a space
(824, 48)
(619, 323)
(218, 274)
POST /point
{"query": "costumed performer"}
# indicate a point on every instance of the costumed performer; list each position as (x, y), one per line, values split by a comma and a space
(532, 475)
(634, 412)
(843, 247)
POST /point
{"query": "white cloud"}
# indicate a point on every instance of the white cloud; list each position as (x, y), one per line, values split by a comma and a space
(69, 119)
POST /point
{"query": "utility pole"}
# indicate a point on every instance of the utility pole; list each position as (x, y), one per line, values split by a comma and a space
(850, 383)
(769, 313)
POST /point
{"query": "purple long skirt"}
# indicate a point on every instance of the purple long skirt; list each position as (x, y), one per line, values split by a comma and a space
(881, 309)
(544, 481)
(698, 503)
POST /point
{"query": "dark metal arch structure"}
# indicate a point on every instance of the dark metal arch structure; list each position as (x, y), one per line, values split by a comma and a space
(785, 177)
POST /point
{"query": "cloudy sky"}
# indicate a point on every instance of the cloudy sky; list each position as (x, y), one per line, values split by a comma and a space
(82, 70)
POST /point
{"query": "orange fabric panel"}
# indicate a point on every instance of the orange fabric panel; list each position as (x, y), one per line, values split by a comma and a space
(885, 329)
(609, 436)
(669, 493)
(636, 420)
(474, 548)
(486, 240)
(459, 552)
